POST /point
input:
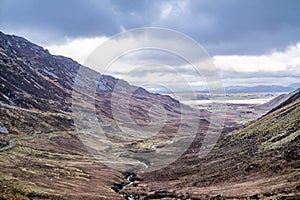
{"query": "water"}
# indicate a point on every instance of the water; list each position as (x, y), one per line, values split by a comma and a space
(131, 198)
(228, 101)
(129, 182)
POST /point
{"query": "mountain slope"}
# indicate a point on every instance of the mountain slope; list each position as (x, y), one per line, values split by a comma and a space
(289, 98)
(42, 154)
(31, 78)
(272, 104)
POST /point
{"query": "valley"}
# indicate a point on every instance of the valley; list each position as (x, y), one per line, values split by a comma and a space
(59, 141)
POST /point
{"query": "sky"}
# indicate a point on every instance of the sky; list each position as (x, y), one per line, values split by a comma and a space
(251, 42)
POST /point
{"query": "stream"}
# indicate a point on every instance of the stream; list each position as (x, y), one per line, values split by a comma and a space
(130, 178)
(12, 142)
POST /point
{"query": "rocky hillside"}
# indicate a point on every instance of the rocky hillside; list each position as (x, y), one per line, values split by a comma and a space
(42, 154)
(281, 99)
(31, 79)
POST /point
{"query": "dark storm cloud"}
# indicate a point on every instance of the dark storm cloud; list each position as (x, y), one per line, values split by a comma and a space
(240, 27)
(222, 26)
(245, 75)
(59, 18)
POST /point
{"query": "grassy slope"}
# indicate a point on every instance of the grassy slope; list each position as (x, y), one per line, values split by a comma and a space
(55, 166)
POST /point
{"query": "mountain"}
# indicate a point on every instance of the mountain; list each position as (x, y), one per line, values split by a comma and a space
(47, 147)
(260, 161)
(249, 89)
(33, 79)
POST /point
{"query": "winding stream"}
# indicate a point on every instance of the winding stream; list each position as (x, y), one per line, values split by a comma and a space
(131, 177)
(11, 143)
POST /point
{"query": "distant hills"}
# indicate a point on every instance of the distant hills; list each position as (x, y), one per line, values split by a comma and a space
(246, 89)
(262, 88)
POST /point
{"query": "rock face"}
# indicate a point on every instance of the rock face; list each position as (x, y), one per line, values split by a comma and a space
(32, 78)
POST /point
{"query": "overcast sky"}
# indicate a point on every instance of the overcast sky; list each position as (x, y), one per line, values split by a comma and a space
(251, 42)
